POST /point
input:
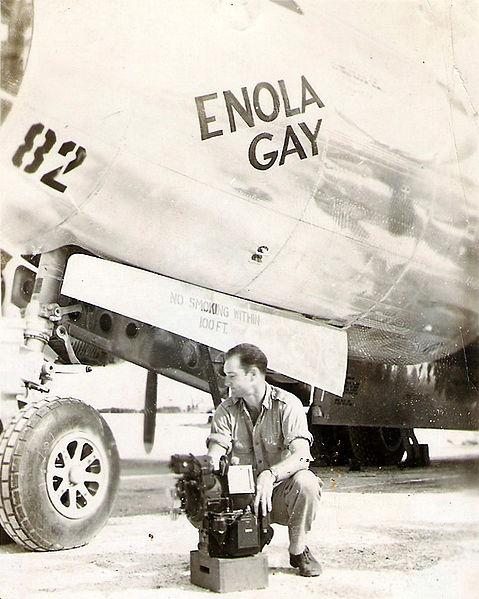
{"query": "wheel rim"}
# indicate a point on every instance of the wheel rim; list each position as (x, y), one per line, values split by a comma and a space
(77, 475)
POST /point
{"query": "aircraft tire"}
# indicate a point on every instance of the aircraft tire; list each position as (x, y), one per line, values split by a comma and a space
(377, 446)
(331, 445)
(4, 538)
(59, 475)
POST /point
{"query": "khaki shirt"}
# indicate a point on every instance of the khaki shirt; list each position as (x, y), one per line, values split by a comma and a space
(282, 419)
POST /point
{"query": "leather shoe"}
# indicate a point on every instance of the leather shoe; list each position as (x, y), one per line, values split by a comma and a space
(306, 562)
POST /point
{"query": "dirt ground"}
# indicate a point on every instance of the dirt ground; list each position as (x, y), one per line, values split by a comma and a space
(370, 544)
(390, 533)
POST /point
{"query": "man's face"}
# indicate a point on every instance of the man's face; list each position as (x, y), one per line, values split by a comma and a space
(240, 383)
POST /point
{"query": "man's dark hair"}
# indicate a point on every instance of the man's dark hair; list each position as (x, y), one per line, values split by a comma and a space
(249, 355)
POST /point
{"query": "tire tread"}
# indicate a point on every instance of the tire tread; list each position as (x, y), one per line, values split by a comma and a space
(12, 517)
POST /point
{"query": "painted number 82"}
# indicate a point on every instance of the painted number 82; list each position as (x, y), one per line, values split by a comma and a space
(29, 143)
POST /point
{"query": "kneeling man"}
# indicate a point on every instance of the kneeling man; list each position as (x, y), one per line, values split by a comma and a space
(266, 427)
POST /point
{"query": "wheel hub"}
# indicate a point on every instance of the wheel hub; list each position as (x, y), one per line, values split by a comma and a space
(77, 475)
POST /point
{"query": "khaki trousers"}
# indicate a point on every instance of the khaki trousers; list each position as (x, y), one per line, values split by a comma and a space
(296, 502)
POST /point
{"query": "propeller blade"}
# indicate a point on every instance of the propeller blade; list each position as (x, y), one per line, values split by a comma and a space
(149, 414)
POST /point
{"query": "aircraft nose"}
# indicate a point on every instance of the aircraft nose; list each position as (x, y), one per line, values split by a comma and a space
(16, 30)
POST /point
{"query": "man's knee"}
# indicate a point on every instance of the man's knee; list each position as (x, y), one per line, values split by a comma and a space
(307, 484)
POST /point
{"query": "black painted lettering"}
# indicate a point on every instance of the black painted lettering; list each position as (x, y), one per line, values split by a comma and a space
(264, 85)
(312, 136)
(287, 108)
(245, 111)
(269, 156)
(297, 147)
(50, 178)
(27, 145)
(221, 326)
(313, 96)
(176, 298)
(204, 120)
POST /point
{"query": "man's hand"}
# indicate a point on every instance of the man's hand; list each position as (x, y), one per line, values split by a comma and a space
(264, 492)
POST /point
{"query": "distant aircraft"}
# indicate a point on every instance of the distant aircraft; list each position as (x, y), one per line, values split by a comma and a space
(179, 177)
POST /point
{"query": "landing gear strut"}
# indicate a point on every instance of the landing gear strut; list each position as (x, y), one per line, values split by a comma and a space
(59, 465)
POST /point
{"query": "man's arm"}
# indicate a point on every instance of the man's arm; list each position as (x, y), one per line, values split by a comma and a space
(215, 451)
(219, 439)
(298, 460)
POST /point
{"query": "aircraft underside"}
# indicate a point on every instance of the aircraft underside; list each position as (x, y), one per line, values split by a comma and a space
(311, 189)
(370, 423)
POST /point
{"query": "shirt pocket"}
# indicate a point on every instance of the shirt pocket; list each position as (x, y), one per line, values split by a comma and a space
(271, 434)
(242, 441)
(273, 449)
(271, 444)
(242, 446)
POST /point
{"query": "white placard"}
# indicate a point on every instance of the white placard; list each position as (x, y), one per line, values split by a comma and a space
(240, 479)
(296, 347)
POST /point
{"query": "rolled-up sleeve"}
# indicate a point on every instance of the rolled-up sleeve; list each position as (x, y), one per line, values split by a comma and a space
(294, 423)
(221, 428)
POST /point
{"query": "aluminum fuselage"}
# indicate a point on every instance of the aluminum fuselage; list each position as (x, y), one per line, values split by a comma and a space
(341, 148)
